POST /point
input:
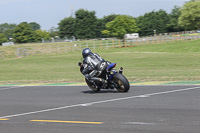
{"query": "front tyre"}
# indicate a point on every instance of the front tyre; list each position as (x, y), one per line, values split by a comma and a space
(122, 82)
(92, 87)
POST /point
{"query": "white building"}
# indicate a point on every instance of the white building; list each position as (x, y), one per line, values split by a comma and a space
(131, 36)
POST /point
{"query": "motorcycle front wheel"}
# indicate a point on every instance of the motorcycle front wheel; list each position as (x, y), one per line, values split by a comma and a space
(122, 83)
(91, 86)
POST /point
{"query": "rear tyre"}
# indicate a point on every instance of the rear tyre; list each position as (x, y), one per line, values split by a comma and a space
(122, 82)
(92, 87)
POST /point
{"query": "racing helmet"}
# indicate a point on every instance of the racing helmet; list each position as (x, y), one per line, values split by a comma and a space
(86, 52)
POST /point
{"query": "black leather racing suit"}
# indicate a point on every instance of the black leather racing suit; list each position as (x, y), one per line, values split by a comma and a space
(93, 66)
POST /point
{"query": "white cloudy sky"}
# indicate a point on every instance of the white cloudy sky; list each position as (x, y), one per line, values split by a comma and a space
(48, 13)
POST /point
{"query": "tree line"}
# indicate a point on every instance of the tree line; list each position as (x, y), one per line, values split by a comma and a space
(22, 33)
(86, 25)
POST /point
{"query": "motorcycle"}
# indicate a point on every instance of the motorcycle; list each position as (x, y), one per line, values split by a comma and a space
(114, 78)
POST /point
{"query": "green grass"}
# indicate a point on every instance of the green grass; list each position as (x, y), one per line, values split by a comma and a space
(160, 62)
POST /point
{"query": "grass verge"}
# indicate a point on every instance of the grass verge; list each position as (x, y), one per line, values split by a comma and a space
(160, 62)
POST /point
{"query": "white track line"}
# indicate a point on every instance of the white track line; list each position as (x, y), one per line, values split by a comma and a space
(98, 102)
(11, 88)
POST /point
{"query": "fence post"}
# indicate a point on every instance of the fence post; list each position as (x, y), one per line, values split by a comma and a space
(119, 43)
(136, 41)
(106, 44)
(100, 44)
(162, 39)
(157, 39)
(147, 40)
(113, 43)
(124, 43)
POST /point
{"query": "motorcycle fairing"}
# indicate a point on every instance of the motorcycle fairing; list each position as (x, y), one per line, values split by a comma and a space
(110, 67)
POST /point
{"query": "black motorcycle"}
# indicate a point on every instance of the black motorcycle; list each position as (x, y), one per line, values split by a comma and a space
(114, 78)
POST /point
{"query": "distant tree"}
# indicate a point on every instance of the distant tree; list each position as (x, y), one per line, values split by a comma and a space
(109, 18)
(85, 24)
(192, 1)
(54, 31)
(9, 33)
(7, 29)
(35, 26)
(120, 26)
(190, 15)
(24, 33)
(6, 26)
(155, 20)
(67, 27)
(101, 26)
(42, 34)
(3, 38)
(173, 20)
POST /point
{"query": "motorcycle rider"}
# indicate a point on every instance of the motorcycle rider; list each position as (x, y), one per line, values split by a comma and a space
(93, 65)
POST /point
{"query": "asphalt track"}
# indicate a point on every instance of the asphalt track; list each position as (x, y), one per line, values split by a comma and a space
(76, 109)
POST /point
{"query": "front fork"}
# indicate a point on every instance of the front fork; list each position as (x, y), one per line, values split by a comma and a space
(113, 73)
(112, 83)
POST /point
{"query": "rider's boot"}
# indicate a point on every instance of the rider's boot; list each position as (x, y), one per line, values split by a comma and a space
(104, 82)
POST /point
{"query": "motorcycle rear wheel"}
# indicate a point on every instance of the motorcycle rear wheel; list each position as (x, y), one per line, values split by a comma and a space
(122, 82)
(91, 86)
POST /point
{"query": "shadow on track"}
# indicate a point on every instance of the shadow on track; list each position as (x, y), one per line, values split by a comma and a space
(100, 92)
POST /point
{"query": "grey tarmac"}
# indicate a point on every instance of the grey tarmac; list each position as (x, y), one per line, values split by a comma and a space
(76, 109)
